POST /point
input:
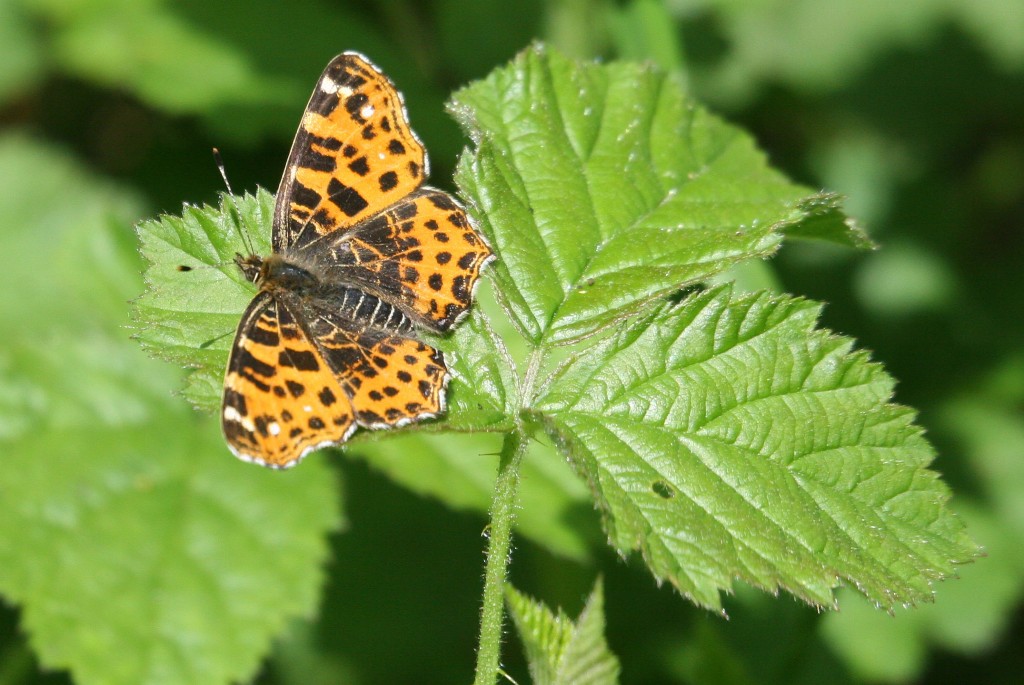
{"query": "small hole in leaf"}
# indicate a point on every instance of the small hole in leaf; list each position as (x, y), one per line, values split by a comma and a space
(663, 489)
(681, 294)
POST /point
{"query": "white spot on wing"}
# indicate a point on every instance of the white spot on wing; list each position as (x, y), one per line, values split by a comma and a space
(328, 85)
(274, 428)
(231, 414)
(367, 111)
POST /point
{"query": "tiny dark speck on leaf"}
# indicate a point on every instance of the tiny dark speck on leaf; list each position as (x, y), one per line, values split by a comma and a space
(663, 489)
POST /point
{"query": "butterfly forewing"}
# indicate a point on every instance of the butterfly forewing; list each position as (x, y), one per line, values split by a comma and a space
(354, 155)
(280, 399)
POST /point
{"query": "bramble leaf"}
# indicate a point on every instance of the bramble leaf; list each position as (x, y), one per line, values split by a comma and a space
(603, 187)
(189, 317)
(725, 437)
(561, 651)
(126, 527)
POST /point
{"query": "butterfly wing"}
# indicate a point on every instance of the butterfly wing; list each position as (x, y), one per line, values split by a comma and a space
(353, 155)
(422, 254)
(281, 400)
(389, 378)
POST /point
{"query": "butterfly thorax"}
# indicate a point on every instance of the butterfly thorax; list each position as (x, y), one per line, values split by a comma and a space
(277, 272)
(302, 284)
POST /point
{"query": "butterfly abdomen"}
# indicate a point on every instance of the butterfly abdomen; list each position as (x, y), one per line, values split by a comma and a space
(366, 311)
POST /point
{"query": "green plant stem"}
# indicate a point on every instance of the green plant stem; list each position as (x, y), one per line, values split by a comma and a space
(492, 615)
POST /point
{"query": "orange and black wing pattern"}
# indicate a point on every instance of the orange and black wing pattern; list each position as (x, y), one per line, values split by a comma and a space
(363, 254)
(423, 253)
(353, 156)
(390, 380)
(281, 400)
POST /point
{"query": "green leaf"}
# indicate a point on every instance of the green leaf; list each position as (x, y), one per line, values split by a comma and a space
(554, 505)
(189, 317)
(604, 187)
(561, 651)
(726, 438)
(145, 47)
(152, 543)
(975, 612)
(825, 220)
(483, 387)
(970, 618)
(126, 526)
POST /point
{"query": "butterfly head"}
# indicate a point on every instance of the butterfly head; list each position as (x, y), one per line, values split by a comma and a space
(276, 273)
(250, 266)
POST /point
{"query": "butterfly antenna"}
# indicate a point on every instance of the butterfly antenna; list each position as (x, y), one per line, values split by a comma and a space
(211, 341)
(236, 215)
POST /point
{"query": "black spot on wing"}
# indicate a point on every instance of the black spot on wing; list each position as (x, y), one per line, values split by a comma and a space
(388, 181)
(303, 360)
(323, 103)
(307, 197)
(404, 212)
(346, 198)
(354, 104)
(442, 201)
(264, 336)
(236, 400)
(311, 159)
(359, 166)
(328, 143)
(245, 361)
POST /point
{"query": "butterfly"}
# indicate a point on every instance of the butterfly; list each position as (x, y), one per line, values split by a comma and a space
(364, 256)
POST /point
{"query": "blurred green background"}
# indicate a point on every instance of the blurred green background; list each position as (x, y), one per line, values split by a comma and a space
(912, 108)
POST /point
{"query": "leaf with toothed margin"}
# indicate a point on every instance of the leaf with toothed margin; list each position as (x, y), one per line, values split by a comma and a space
(726, 438)
(604, 186)
(561, 651)
(135, 548)
(189, 317)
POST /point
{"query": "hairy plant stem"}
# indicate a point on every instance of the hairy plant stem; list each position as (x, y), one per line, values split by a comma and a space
(503, 510)
(492, 615)
(500, 534)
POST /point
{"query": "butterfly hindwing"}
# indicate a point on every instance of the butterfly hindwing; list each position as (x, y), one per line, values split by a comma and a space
(422, 253)
(353, 155)
(389, 378)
